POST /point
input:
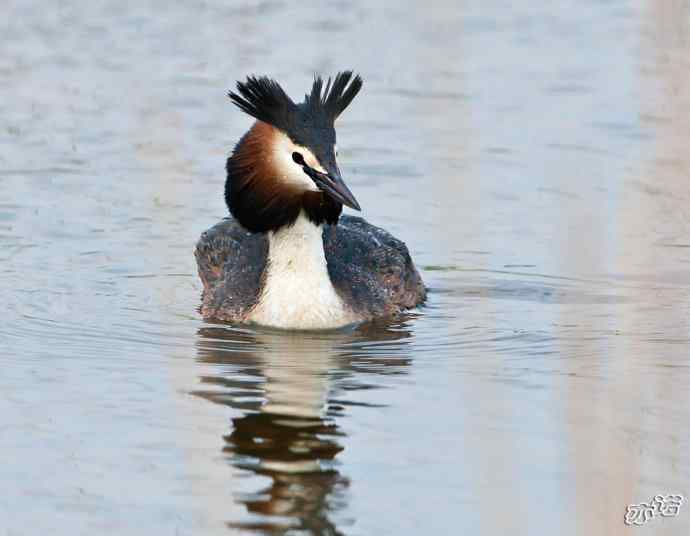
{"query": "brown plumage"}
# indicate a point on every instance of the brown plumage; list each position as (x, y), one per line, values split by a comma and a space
(258, 196)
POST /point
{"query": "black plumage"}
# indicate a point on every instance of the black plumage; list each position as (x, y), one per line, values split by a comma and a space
(310, 123)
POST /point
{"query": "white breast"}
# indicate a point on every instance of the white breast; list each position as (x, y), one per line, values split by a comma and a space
(297, 292)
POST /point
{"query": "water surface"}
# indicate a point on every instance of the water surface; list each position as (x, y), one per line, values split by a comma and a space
(534, 159)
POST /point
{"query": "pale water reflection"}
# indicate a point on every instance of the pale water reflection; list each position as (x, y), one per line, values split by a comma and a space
(534, 158)
(290, 390)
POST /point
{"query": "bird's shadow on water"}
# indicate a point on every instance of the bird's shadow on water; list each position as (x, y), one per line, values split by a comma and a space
(288, 392)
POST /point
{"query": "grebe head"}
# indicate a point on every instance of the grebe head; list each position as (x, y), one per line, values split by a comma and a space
(286, 163)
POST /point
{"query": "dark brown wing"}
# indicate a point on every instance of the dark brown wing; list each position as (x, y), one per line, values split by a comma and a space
(231, 262)
(371, 270)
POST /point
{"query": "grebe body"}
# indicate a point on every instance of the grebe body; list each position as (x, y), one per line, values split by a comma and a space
(286, 257)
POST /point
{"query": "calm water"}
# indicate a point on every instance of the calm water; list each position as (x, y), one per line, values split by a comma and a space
(535, 160)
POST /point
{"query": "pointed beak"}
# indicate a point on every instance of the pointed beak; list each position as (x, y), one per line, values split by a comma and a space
(332, 184)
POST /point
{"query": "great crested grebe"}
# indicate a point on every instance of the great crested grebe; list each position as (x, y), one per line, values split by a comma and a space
(286, 258)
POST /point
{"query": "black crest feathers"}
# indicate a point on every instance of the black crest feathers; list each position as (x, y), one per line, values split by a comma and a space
(264, 99)
(336, 97)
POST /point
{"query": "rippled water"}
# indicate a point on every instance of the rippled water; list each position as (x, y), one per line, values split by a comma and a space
(533, 157)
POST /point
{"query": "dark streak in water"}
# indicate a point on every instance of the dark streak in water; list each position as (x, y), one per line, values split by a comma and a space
(41, 171)
(420, 94)
(148, 276)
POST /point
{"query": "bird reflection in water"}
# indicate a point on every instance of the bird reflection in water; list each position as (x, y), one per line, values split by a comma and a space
(290, 388)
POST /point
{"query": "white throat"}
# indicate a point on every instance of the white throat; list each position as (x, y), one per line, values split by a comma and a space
(297, 291)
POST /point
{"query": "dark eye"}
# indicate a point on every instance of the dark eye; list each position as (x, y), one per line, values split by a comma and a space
(298, 158)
